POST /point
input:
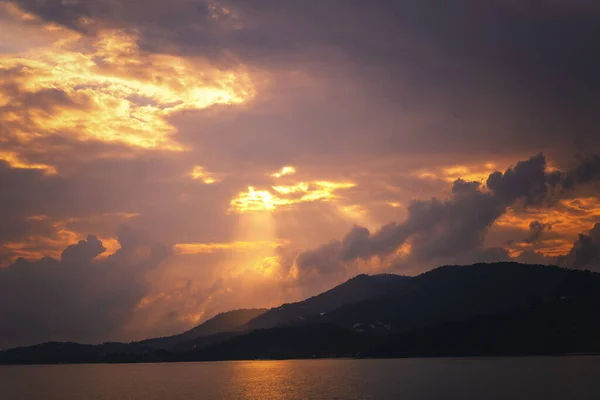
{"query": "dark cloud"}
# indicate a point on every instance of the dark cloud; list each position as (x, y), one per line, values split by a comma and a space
(453, 229)
(525, 72)
(585, 253)
(536, 228)
(69, 13)
(17, 201)
(32, 202)
(342, 87)
(84, 251)
(588, 170)
(530, 256)
(79, 297)
(325, 259)
(527, 181)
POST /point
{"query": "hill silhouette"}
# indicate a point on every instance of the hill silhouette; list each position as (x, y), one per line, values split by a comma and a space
(478, 310)
(224, 322)
(360, 288)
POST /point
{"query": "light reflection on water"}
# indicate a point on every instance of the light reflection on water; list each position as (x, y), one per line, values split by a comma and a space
(501, 378)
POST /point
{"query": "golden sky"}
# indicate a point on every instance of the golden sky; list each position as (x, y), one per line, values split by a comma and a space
(225, 154)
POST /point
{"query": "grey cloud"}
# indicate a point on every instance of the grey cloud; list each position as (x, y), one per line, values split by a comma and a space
(80, 297)
(69, 13)
(451, 229)
(527, 180)
(91, 196)
(534, 257)
(585, 253)
(587, 170)
(394, 77)
(84, 251)
(360, 243)
(17, 199)
(325, 259)
(523, 71)
(458, 225)
(536, 228)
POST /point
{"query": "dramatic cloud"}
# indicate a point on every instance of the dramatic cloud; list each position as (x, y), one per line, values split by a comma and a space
(286, 196)
(536, 228)
(243, 134)
(454, 229)
(79, 297)
(585, 253)
(105, 88)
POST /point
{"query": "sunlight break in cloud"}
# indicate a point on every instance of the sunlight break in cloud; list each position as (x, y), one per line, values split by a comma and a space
(472, 173)
(59, 233)
(199, 172)
(207, 248)
(287, 170)
(108, 89)
(286, 196)
(15, 161)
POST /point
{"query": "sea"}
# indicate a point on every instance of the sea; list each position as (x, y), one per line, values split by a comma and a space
(547, 378)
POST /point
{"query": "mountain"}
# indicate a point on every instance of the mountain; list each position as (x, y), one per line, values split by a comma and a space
(233, 323)
(75, 353)
(483, 309)
(224, 322)
(455, 293)
(563, 326)
(285, 342)
(355, 290)
(478, 310)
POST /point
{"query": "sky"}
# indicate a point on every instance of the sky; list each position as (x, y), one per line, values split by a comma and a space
(162, 162)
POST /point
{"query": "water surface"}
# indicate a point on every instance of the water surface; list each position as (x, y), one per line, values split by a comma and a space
(494, 378)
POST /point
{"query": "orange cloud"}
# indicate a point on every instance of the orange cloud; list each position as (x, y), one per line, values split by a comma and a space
(112, 90)
(476, 173)
(287, 170)
(64, 232)
(199, 172)
(15, 161)
(35, 247)
(568, 219)
(237, 246)
(286, 196)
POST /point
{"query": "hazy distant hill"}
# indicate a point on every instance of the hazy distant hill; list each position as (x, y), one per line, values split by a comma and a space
(484, 309)
(355, 290)
(224, 322)
(75, 353)
(233, 323)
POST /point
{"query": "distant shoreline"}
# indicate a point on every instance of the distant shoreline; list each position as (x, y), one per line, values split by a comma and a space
(320, 359)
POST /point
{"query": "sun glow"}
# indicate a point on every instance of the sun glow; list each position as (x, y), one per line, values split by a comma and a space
(35, 247)
(241, 246)
(568, 218)
(286, 196)
(473, 173)
(199, 172)
(15, 161)
(287, 170)
(106, 88)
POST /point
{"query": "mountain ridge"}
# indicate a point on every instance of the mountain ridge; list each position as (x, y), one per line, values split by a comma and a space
(449, 311)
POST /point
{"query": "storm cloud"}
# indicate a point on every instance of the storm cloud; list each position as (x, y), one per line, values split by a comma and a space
(454, 229)
(78, 297)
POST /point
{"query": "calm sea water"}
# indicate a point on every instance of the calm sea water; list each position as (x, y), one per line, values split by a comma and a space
(490, 379)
